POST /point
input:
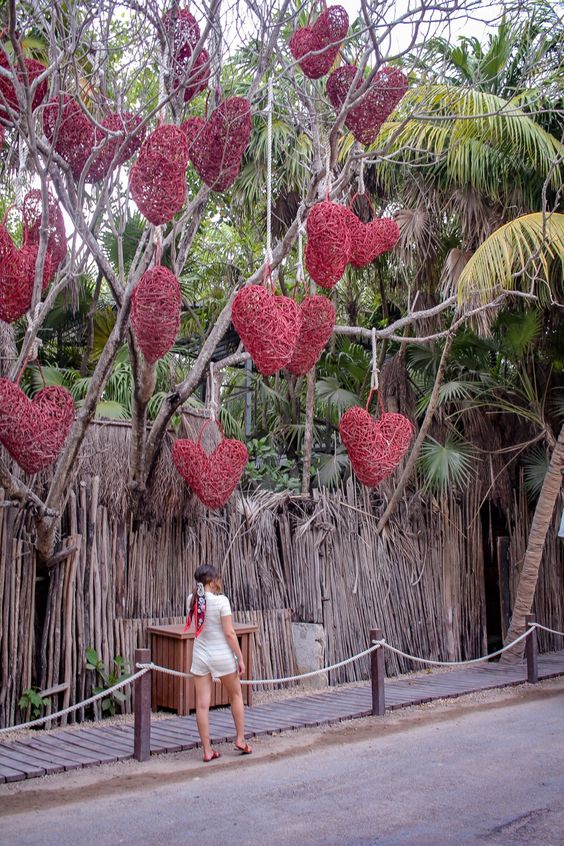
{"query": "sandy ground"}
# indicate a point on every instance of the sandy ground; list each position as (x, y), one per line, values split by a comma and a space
(129, 776)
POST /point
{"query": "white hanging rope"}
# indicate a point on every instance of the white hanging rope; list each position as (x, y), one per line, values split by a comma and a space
(374, 380)
(214, 405)
(269, 174)
(102, 695)
(300, 266)
(328, 171)
(546, 629)
(383, 643)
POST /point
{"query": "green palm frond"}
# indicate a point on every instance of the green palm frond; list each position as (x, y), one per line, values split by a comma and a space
(329, 468)
(535, 466)
(446, 466)
(112, 410)
(525, 251)
(329, 390)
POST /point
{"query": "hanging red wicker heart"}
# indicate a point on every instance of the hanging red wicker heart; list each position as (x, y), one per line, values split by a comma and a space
(325, 35)
(31, 223)
(214, 477)
(182, 31)
(122, 147)
(328, 243)
(8, 92)
(369, 240)
(197, 78)
(386, 90)
(375, 447)
(70, 131)
(268, 326)
(158, 178)
(17, 277)
(155, 312)
(317, 319)
(34, 431)
(216, 146)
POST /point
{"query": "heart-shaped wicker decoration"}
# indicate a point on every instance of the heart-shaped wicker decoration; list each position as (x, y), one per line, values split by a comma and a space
(8, 92)
(31, 223)
(158, 178)
(375, 447)
(386, 90)
(317, 319)
(370, 240)
(268, 326)
(216, 146)
(155, 312)
(115, 147)
(327, 32)
(17, 276)
(34, 431)
(182, 31)
(214, 477)
(71, 131)
(328, 243)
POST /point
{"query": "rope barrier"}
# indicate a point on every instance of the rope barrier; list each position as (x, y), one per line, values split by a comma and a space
(546, 629)
(376, 644)
(102, 695)
(454, 663)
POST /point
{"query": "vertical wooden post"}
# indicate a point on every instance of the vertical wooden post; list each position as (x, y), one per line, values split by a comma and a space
(531, 650)
(377, 675)
(142, 709)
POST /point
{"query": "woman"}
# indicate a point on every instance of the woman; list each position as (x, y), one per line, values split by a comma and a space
(217, 655)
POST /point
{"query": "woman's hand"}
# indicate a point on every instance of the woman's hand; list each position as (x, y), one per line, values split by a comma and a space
(241, 668)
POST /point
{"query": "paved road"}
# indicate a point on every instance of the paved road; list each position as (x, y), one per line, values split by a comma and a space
(481, 775)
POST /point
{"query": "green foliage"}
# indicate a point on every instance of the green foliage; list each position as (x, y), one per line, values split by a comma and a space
(118, 671)
(535, 466)
(446, 466)
(268, 470)
(32, 702)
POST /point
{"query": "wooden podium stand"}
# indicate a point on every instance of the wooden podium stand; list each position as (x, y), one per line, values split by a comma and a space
(172, 647)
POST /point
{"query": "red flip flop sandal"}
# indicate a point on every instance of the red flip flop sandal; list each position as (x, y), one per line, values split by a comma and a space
(244, 750)
(215, 754)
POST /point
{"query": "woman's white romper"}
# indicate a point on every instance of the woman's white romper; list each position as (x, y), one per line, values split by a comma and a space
(212, 654)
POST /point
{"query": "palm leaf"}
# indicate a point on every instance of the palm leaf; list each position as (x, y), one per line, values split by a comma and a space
(528, 248)
(535, 466)
(446, 466)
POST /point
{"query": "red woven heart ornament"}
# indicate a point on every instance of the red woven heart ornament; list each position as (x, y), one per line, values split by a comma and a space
(197, 77)
(216, 146)
(115, 146)
(158, 178)
(70, 131)
(268, 326)
(386, 90)
(8, 92)
(328, 243)
(317, 319)
(369, 240)
(214, 477)
(31, 223)
(327, 32)
(182, 31)
(34, 431)
(155, 312)
(17, 276)
(375, 447)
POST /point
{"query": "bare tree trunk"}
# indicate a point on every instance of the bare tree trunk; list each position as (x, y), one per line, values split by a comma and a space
(428, 419)
(8, 349)
(533, 555)
(308, 431)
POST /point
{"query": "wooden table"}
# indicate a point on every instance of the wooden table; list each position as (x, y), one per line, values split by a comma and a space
(172, 647)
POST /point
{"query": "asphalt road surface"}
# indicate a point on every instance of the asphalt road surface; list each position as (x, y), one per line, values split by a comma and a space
(489, 773)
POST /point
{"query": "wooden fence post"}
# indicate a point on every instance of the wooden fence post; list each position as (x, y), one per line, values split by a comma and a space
(377, 675)
(142, 709)
(531, 649)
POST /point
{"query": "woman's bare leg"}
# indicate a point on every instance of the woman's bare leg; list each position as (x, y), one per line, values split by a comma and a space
(203, 686)
(233, 687)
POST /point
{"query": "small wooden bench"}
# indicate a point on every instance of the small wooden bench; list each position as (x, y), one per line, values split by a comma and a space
(172, 647)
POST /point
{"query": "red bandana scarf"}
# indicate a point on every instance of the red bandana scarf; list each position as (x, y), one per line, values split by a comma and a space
(200, 615)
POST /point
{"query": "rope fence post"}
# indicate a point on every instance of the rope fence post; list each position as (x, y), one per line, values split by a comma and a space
(142, 709)
(531, 650)
(377, 675)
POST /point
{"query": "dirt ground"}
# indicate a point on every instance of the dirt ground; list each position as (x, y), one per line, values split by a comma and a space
(127, 776)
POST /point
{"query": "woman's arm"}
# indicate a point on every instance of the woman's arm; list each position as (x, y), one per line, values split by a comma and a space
(231, 638)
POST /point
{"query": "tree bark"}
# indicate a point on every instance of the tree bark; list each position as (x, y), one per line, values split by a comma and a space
(533, 555)
(308, 431)
(427, 420)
